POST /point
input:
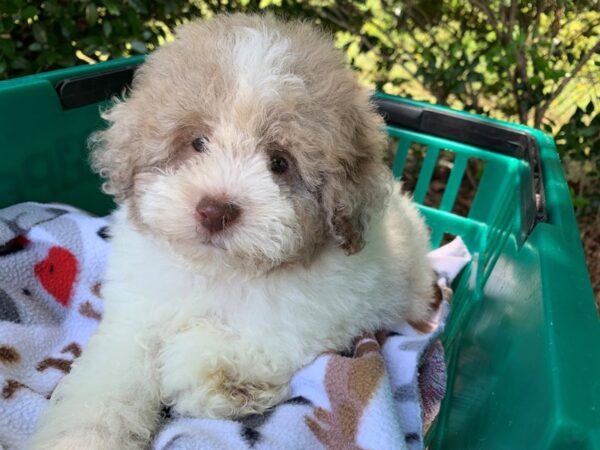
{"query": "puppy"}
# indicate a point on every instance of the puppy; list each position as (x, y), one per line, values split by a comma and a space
(257, 228)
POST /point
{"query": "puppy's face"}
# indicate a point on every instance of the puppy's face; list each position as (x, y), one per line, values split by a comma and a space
(246, 141)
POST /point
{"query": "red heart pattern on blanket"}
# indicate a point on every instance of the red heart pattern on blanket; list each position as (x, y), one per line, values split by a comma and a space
(57, 273)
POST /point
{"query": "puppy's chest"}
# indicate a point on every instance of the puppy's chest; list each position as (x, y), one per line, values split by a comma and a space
(239, 307)
(259, 314)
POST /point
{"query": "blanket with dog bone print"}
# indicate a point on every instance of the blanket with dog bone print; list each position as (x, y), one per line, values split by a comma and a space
(52, 258)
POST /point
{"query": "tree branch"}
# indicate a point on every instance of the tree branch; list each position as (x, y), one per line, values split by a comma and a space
(334, 19)
(539, 8)
(541, 112)
(523, 111)
(490, 15)
(511, 20)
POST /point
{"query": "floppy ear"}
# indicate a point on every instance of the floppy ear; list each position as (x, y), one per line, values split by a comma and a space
(116, 150)
(359, 184)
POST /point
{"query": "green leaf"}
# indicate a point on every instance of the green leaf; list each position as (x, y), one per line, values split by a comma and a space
(19, 63)
(51, 57)
(39, 33)
(138, 46)
(91, 14)
(35, 47)
(29, 12)
(539, 63)
(552, 74)
(589, 131)
(579, 201)
(52, 8)
(112, 7)
(107, 28)
(7, 48)
(67, 29)
(474, 76)
(138, 6)
(458, 88)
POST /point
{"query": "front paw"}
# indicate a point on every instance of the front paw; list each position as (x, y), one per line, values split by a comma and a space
(222, 394)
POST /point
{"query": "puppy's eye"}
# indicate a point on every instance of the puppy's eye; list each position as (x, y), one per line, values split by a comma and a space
(279, 165)
(199, 144)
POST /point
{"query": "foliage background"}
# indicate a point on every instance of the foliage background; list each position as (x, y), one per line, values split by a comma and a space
(535, 62)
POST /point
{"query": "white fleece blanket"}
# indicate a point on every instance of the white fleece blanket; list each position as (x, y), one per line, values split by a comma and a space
(52, 260)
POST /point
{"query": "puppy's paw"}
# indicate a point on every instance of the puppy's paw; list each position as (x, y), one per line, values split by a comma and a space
(220, 394)
(425, 315)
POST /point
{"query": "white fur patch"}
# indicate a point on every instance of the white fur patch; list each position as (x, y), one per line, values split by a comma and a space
(260, 58)
(233, 169)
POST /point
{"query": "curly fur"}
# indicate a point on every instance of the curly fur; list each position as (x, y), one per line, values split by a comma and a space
(215, 324)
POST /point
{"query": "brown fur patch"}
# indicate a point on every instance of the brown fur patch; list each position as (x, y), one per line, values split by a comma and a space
(9, 355)
(437, 297)
(422, 326)
(349, 235)
(427, 326)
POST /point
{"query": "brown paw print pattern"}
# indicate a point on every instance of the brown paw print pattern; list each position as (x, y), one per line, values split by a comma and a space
(9, 355)
(86, 309)
(62, 364)
(350, 384)
(10, 387)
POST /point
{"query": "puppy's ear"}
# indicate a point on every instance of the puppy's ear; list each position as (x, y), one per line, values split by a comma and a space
(356, 188)
(116, 150)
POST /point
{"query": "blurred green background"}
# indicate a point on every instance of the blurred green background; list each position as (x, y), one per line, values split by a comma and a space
(534, 62)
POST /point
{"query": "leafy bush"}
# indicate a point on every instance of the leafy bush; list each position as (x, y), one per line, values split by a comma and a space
(38, 36)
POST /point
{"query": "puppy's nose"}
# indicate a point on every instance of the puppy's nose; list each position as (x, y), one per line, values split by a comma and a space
(216, 215)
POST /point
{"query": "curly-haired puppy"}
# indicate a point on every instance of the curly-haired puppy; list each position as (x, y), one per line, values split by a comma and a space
(258, 227)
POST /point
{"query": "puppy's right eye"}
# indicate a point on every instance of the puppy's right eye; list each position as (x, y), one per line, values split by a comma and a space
(199, 144)
(279, 165)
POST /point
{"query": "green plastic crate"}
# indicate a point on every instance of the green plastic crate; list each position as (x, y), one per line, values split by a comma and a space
(523, 338)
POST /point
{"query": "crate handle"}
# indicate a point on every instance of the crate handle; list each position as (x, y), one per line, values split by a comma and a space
(94, 88)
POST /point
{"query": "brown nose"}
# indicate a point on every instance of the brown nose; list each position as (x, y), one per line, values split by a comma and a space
(216, 215)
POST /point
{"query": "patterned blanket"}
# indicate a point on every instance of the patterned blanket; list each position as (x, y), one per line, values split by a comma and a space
(52, 258)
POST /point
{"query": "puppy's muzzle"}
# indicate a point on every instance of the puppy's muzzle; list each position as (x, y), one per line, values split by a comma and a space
(216, 215)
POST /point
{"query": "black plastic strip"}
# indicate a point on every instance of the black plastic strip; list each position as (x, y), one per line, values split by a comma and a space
(90, 89)
(481, 134)
(458, 128)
